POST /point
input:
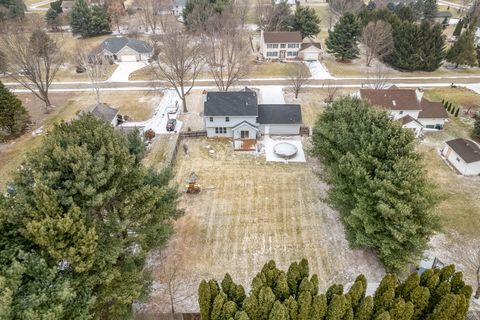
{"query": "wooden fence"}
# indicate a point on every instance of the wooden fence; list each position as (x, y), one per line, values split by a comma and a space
(193, 134)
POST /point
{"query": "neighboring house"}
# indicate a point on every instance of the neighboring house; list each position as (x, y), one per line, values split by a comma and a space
(443, 17)
(406, 102)
(237, 115)
(280, 45)
(125, 49)
(104, 112)
(433, 114)
(310, 51)
(410, 123)
(464, 155)
(67, 5)
(178, 6)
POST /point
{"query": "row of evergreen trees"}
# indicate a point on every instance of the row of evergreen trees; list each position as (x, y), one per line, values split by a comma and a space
(415, 46)
(377, 181)
(89, 21)
(452, 109)
(294, 295)
(77, 222)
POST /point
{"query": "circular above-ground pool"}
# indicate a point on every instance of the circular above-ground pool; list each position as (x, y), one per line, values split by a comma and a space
(285, 150)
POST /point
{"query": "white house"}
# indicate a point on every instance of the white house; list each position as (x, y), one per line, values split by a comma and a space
(407, 105)
(277, 45)
(280, 45)
(412, 124)
(238, 116)
(464, 155)
(125, 49)
(178, 6)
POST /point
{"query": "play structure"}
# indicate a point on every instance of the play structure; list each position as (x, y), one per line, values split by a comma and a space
(192, 184)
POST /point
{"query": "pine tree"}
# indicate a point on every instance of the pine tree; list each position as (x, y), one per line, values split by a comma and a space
(365, 310)
(463, 51)
(99, 22)
(354, 157)
(430, 9)
(342, 42)
(458, 28)
(456, 112)
(13, 115)
(433, 45)
(90, 203)
(306, 21)
(476, 128)
(279, 312)
(80, 18)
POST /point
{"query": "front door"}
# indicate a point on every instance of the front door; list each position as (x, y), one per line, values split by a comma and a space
(244, 134)
(282, 54)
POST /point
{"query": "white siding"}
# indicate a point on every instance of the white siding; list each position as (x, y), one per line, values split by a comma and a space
(431, 122)
(463, 167)
(252, 133)
(281, 129)
(220, 122)
(417, 128)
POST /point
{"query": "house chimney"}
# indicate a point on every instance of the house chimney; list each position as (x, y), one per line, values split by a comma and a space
(419, 94)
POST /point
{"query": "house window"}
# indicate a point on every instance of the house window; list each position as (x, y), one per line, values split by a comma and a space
(272, 45)
(282, 45)
(292, 54)
(458, 159)
(227, 119)
(211, 119)
(244, 134)
(220, 130)
(400, 112)
(272, 54)
(293, 45)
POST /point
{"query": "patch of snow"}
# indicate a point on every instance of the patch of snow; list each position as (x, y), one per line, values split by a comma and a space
(271, 95)
(474, 87)
(453, 21)
(124, 69)
(270, 155)
(317, 70)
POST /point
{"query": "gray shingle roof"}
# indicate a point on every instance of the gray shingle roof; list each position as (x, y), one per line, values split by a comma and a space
(115, 44)
(468, 150)
(231, 104)
(104, 111)
(279, 114)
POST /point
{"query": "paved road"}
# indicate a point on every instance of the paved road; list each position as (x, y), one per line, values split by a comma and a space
(200, 84)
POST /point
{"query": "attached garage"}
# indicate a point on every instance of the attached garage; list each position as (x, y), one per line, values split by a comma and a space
(310, 51)
(128, 58)
(279, 119)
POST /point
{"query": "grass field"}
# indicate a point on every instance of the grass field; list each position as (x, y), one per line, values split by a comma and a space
(249, 212)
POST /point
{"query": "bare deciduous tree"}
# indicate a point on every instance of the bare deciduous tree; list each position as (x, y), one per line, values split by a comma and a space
(263, 9)
(272, 17)
(95, 66)
(378, 78)
(226, 50)
(297, 77)
(378, 40)
(33, 61)
(241, 11)
(338, 8)
(179, 62)
(116, 11)
(154, 12)
(332, 91)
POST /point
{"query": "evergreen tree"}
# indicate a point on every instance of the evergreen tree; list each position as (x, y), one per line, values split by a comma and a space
(279, 312)
(88, 22)
(342, 42)
(306, 21)
(354, 156)
(430, 9)
(463, 51)
(476, 127)
(458, 28)
(13, 115)
(57, 6)
(3, 62)
(433, 46)
(80, 224)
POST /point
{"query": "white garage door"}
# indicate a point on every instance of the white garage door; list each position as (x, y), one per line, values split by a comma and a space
(310, 56)
(128, 58)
